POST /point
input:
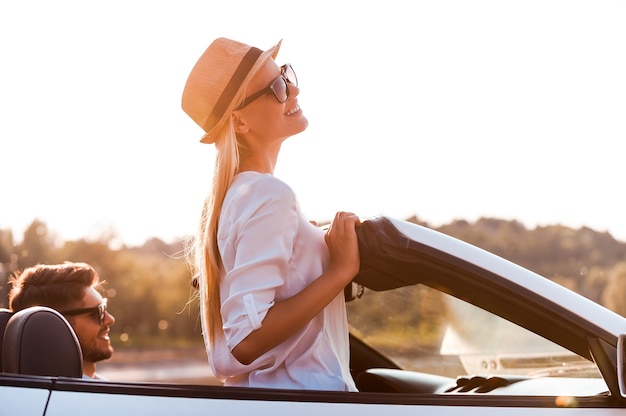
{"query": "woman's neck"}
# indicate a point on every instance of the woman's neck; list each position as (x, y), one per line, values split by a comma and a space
(262, 162)
(261, 166)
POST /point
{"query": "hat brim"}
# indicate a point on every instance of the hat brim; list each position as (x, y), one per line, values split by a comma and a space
(211, 135)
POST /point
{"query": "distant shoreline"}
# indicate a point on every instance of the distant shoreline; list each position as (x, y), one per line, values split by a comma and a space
(168, 365)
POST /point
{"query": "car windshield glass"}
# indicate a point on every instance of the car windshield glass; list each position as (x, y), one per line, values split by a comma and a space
(425, 330)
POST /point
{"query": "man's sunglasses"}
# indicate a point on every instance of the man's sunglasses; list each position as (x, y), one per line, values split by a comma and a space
(278, 87)
(100, 310)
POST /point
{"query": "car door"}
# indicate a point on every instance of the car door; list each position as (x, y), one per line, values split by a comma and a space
(23, 396)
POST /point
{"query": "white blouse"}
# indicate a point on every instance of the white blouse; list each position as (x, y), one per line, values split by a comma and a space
(271, 252)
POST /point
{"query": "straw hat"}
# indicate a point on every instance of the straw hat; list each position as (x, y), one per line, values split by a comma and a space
(223, 70)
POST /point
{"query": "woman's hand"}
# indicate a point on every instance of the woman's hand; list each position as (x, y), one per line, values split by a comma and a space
(343, 246)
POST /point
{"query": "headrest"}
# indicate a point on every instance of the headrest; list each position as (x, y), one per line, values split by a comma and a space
(39, 341)
(5, 314)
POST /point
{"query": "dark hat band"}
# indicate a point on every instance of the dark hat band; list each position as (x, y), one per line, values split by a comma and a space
(231, 88)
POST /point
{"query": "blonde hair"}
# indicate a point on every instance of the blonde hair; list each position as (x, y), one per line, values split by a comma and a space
(206, 260)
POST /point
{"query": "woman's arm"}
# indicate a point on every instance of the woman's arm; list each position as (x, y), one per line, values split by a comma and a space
(288, 316)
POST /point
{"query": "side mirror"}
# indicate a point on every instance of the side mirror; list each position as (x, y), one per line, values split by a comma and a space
(621, 364)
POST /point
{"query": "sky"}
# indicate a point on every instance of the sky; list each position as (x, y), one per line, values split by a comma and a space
(443, 109)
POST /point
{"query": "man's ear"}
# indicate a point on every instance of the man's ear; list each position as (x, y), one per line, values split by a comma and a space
(239, 124)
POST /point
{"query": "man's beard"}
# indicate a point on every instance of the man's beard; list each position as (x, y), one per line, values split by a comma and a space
(97, 354)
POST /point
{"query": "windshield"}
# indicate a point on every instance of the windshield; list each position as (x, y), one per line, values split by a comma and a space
(425, 330)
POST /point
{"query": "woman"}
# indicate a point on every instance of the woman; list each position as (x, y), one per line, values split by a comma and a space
(271, 283)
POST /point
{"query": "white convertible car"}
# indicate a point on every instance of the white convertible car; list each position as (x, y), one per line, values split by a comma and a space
(438, 327)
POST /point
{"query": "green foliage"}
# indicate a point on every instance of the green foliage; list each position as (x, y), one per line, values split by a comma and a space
(151, 297)
(149, 287)
(583, 260)
(385, 320)
(614, 296)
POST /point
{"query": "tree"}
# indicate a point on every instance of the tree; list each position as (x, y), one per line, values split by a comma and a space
(614, 295)
(36, 246)
(8, 264)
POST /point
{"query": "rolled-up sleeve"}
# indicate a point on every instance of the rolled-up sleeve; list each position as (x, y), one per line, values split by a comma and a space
(256, 239)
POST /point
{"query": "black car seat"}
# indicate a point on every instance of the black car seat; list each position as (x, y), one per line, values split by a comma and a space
(5, 314)
(39, 341)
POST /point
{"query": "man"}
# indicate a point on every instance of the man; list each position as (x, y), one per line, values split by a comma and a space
(73, 289)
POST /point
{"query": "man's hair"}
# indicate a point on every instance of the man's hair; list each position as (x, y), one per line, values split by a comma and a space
(56, 286)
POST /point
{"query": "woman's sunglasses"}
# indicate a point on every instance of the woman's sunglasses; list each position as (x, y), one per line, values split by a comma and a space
(279, 87)
(100, 310)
